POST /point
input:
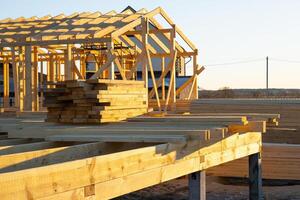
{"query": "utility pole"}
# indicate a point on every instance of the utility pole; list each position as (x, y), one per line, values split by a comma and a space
(267, 75)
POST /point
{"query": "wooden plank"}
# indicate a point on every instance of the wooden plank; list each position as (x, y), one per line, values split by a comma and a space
(15, 141)
(20, 148)
(122, 137)
(280, 162)
(37, 158)
(157, 163)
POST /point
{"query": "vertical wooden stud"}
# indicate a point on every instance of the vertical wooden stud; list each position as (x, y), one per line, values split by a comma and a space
(35, 97)
(145, 30)
(68, 63)
(195, 65)
(172, 48)
(163, 79)
(6, 82)
(28, 79)
(21, 77)
(111, 69)
(42, 84)
(15, 77)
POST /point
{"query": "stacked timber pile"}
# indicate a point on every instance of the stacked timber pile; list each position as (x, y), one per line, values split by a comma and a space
(289, 109)
(180, 106)
(280, 162)
(95, 101)
(288, 130)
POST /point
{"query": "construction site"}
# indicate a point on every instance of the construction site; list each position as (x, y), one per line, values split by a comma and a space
(105, 105)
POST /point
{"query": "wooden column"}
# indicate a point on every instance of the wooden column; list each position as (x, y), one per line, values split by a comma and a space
(58, 68)
(68, 63)
(255, 178)
(195, 65)
(145, 30)
(83, 66)
(28, 79)
(15, 77)
(172, 49)
(111, 69)
(5, 82)
(51, 68)
(42, 84)
(35, 95)
(163, 79)
(197, 186)
(21, 77)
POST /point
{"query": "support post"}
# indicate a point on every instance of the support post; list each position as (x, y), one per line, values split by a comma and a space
(35, 95)
(145, 30)
(172, 49)
(255, 178)
(21, 78)
(83, 66)
(16, 77)
(68, 63)
(28, 79)
(51, 68)
(163, 79)
(5, 82)
(195, 65)
(111, 69)
(58, 73)
(197, 186)
(42, 84)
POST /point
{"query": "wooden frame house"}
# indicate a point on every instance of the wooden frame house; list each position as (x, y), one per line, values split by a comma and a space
(87, 45)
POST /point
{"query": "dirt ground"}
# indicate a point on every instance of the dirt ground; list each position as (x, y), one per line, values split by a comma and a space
(177, 189)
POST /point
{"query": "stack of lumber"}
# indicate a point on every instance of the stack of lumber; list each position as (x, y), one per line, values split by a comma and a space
(95, 101)
(279, 161)
(289, 109)
(180, 106)
(288, 130)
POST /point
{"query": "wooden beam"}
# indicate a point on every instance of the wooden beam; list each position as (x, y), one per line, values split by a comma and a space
(141, 168)
(38, 158)
(178, 30)
(149, 61)
(76, 70)
(104, 67)
(118, 64)
(189, 81)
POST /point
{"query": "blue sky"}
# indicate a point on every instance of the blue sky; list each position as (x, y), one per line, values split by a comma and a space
(224, 31)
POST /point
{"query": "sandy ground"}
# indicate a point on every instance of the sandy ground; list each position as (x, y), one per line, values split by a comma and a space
(177, 189)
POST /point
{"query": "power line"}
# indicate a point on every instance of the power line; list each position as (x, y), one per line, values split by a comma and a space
(235, 62)
(251, 61)
(284, 60)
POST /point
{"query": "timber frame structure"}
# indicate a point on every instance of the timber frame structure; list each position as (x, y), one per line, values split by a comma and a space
(120, 42)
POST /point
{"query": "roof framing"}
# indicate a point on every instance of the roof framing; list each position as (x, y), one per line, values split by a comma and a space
(87, 27)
